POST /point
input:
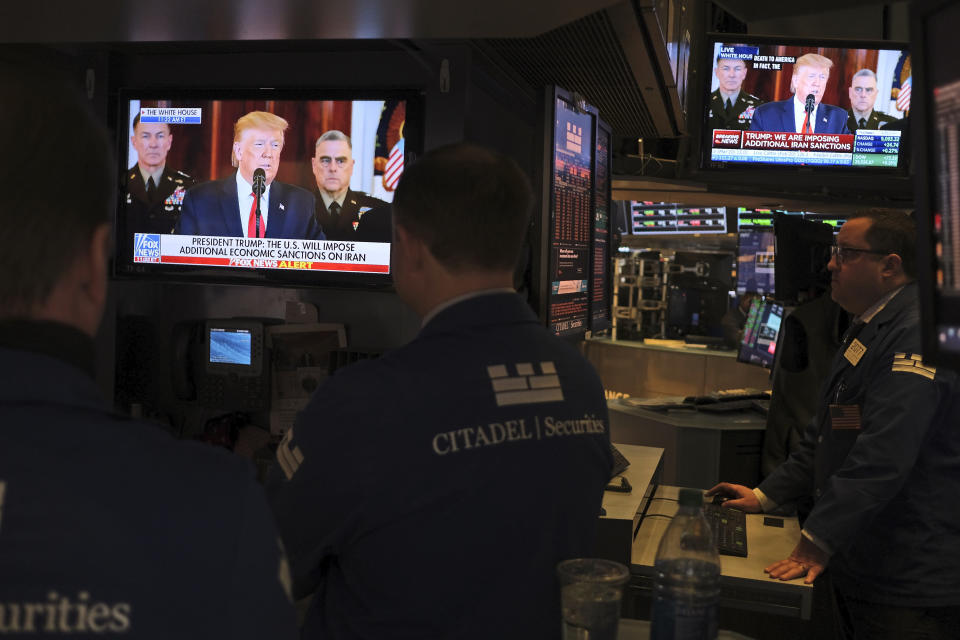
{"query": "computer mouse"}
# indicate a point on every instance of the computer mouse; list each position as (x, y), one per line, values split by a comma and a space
(718, 499)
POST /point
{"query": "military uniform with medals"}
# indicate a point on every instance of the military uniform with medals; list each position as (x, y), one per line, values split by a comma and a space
(738, 116)
(160, 213)
(876, 120)
(343, 225)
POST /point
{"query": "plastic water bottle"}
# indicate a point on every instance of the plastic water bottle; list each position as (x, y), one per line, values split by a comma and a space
(686, 576)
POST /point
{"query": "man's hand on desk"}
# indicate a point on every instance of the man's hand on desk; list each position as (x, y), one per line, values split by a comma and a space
(738, 497)
(807, 559)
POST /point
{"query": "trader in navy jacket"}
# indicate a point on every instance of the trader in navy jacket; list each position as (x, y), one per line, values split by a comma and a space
(881, 457)
(810, 74)
(108, 526)
(438, 505)
(226, 207)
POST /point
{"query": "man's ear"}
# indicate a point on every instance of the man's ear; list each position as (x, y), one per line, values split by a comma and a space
(892, 266)
(93, 265)
(409, 246)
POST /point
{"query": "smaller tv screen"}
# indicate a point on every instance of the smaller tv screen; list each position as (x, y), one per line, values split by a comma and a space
(646, 218)
(756, 219)
(835, 220)
(231, 346)
(755, 261)
(760, 332)
(790, 103)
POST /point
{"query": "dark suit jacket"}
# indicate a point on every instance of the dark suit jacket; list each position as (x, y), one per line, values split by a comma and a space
(345, 226)
(875, 121)
(778, 116)
(212, 209)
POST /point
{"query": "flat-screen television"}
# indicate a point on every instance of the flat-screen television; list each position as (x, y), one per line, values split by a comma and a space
(782, 102)
(639, 217)
(755, 261)
(802, 250)
(760, 332)
(934, 27)
(187, 208)
(601, 278)
(570, 149)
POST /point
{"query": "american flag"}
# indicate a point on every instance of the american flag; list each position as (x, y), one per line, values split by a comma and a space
(903, 98)
(391, 175)
(845, 416)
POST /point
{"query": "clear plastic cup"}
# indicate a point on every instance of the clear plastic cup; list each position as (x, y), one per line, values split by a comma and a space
(591, 590)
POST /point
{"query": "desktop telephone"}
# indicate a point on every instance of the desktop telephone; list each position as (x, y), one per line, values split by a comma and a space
(223, 364)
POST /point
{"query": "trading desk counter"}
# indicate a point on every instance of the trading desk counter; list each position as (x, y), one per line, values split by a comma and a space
(638, 369)
(700, 448)
(743, 583)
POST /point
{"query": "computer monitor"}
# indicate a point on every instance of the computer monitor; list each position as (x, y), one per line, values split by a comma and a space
(755, 261)
(570, 149)
(672, 218)
(760, 333)
(601, 277)
(176, 145)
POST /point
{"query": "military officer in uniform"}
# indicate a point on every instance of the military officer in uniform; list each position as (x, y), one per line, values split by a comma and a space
(863, 93)
(154, 191)
(339, 208)
(730, 106)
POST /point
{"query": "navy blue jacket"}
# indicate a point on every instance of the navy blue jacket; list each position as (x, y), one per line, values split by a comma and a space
(109, 526)
(431, 493)
(885, 492)
(778, 116)
(212, 209)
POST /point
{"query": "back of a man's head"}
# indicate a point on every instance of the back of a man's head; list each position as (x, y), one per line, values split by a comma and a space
(59, 182)
(470, 205)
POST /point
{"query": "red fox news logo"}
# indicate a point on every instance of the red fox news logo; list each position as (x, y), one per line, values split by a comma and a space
(146, 247)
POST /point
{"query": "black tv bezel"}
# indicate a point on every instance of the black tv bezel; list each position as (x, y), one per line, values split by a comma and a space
(413, 147)
(821, 178)
(935, 308)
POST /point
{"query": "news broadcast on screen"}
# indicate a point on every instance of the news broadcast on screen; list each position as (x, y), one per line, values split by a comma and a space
(240, 184)
(779, 104)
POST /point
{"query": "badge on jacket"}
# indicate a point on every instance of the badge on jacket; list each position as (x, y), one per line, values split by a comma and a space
(854, 352)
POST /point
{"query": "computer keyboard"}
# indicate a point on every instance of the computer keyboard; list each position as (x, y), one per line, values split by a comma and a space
(729, 529)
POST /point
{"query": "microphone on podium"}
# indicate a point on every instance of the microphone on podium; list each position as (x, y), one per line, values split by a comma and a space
(259, 186)
(811, 103)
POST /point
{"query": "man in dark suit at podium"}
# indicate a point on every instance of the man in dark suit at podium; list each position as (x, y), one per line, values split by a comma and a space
(340, 209)
(227, 207)
(810, 75)
(154, 190)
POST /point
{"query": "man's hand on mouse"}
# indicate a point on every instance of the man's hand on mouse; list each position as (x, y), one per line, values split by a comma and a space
(738, 497)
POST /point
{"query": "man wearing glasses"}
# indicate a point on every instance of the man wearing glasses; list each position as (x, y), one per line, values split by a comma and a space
(881, 456)
(340, 210)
